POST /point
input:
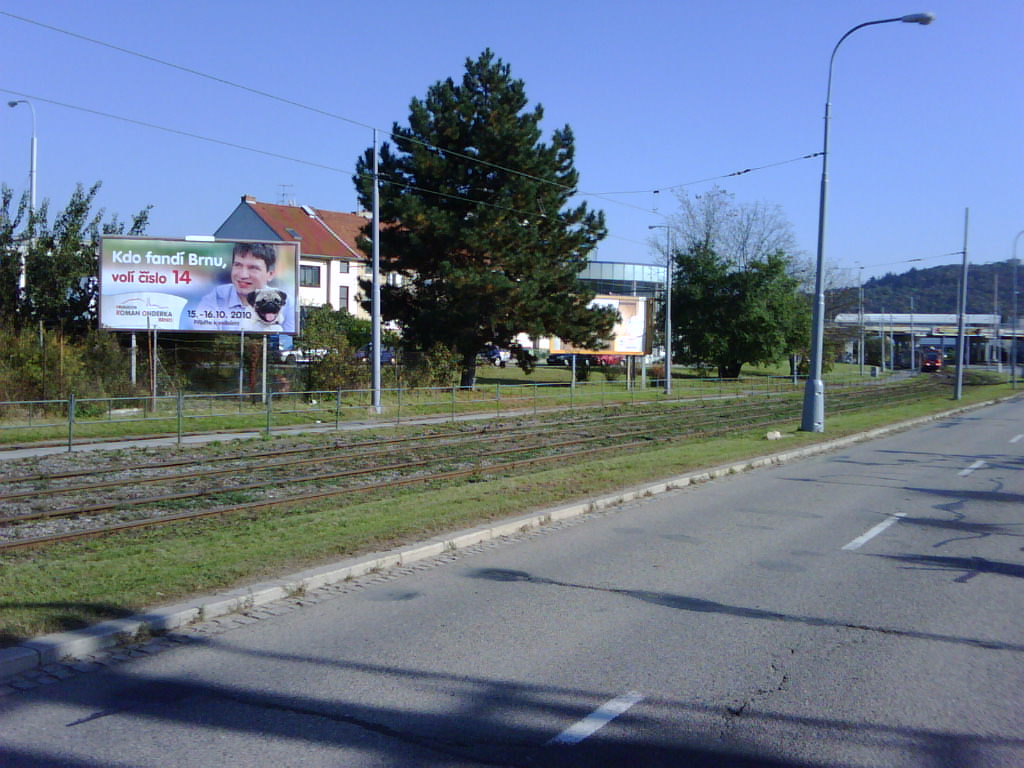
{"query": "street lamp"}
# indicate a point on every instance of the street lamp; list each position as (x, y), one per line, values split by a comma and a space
(22, 283)
(668, 304)
(1013, 345)
(32, 158)
(814, 394)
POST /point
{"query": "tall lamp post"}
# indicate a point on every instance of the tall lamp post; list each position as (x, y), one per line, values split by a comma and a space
(1013, 290)
(668, 304)
(814, 395)
(32, 157)
(31, 185)
(860, 318)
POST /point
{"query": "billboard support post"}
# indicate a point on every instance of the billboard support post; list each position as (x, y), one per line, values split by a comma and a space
(134, 357)
(264, 367)
(156, 367)
(241, 366)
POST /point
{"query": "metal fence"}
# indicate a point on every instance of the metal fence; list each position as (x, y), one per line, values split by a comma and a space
(181, 414)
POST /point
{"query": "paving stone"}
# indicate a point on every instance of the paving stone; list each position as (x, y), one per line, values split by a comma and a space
(86, 666)
(23, 685)
(7, 690)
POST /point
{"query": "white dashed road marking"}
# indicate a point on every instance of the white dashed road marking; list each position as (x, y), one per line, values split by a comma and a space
(976, 465)
(596, 720)
(866, 537)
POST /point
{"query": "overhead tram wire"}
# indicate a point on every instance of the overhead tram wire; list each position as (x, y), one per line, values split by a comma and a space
(704, 181)
(351, 121)
(176, 131)
(908, 261)
(233, 145)
(281, 99)
(383, 178)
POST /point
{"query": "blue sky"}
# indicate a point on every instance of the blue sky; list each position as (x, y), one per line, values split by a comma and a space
(927, 121)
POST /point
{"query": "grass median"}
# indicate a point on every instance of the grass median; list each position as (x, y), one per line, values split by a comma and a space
(71, 585)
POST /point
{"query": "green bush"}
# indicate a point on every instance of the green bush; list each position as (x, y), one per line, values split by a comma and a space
(48, 365)
(613, 372)
(437, 368)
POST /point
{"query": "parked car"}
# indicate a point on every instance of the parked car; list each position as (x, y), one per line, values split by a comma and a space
(565, 359)
(388, 356)
(495, 355)
(299, 355)
(605, 359)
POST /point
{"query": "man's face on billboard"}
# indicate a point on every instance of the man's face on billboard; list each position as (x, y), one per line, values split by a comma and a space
(249, 273)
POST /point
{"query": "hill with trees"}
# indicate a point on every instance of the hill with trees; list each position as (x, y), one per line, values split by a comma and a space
(935, 291)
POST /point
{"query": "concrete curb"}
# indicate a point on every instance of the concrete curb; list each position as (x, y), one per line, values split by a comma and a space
(54, 648)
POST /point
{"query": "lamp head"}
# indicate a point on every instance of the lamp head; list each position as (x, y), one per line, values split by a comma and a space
(13, 103)
(918, 18)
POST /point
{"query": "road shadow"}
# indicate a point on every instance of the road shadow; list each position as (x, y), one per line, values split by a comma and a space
(965, 494)
(699, 605)
(971, 566)
(481, 721)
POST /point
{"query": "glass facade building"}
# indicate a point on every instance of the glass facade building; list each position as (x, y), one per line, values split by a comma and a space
(619, 279)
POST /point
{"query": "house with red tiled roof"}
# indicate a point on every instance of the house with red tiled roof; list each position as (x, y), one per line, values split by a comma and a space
(330, 264)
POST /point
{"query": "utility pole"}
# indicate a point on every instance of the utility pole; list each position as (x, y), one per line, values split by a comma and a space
(995, 319)
(881, 338)
(375, 347)
(1013, 294)
(860, 317)
(958, 387)
(913, 343)
(668, 304)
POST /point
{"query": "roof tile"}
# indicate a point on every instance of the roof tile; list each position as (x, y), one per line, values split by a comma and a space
(328, 233)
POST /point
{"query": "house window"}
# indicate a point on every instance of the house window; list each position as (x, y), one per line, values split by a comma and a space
(343, 298)
(343, 267)
(309, 277)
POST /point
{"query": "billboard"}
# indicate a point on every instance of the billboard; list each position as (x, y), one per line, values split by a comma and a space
(629, 335)
(188, 285)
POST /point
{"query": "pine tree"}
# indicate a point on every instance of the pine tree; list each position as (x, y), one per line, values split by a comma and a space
(476, 219)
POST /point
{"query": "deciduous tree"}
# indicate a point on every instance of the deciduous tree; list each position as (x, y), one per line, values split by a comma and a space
(725, 316)
(61, 261)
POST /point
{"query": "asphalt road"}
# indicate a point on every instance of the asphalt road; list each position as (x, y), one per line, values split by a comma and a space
(862, 608)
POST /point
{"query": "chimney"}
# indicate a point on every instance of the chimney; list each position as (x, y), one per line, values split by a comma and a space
(248, 199)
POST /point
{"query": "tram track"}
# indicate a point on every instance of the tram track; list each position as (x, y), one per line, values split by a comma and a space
(458, 458)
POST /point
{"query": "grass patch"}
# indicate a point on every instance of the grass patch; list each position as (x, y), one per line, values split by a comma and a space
(72, 585)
